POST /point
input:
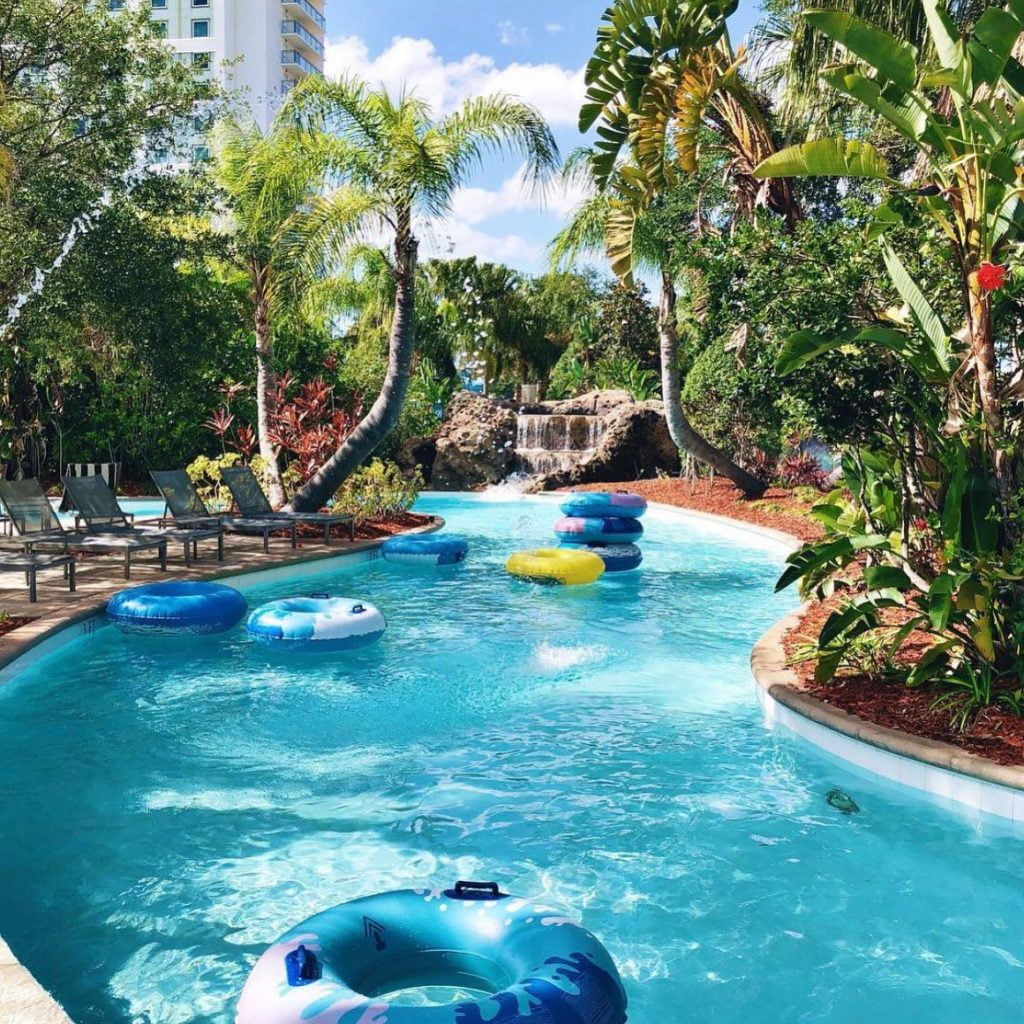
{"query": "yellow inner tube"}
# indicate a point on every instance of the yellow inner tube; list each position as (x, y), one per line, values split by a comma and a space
(556, 565)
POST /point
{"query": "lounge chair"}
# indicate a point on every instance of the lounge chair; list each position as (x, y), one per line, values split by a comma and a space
(98, 509)
(32, 562)
(187, 508)
(37, 526)
(253, 504)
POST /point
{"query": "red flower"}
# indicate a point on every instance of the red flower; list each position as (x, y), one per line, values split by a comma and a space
(991, 277)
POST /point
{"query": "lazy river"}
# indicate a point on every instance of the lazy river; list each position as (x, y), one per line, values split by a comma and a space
(171, 806)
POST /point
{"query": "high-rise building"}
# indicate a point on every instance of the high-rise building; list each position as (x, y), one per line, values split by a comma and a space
(258, 49)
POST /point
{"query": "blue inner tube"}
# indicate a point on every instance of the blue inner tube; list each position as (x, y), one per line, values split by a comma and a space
(617, 557)
(316, 623)
(426, 549)
(596, 530)
(192, 606)
(537, 966)
(604, 503)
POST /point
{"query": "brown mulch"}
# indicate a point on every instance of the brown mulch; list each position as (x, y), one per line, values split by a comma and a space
(778, 508)
(13, 622)
(995, 734)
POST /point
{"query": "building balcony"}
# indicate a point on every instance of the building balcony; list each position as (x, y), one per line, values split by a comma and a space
(294, 32)
(297, 65)
(305, 10)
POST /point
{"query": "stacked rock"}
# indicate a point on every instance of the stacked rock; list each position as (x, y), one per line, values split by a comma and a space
(606, 523)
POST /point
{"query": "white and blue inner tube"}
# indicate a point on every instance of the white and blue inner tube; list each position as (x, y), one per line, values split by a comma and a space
(533, 964)
(318, 623)
(598, 530)
(616, 557)
(188, 606)
(622, 504)
(426, 549)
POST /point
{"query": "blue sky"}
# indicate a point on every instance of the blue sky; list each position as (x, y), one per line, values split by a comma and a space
(450, 49)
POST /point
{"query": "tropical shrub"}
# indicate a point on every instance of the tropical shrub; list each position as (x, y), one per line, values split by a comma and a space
(931, 508)
(378, 492)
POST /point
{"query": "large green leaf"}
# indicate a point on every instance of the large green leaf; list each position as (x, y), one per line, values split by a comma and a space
(803, 347)
(840, 158)
(924, 314)
(880, 577)
(815, 556)
(952, 506)
(991, 42)
(889, 56)
(908, 121)
(979, 529)
(944, 34)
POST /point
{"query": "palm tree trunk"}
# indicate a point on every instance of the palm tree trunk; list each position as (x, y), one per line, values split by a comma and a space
(685, 437)
(385, 411)
(266, 387)
(984, 352)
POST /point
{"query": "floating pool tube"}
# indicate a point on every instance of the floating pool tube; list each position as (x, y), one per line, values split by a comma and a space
(318, 623)
(571, 567)
(616, 557)
(425, 549)
(594, 530)
(185, 606)
(339, 966)
(604, 503)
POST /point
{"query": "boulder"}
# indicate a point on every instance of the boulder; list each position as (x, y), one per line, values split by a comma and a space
(476, 444)
(417, 453)
(593, 403)
(636, 445)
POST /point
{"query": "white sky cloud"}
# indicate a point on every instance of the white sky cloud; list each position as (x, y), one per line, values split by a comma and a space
(514, 195)
(554, 27)
(415, 63)
(512, 34)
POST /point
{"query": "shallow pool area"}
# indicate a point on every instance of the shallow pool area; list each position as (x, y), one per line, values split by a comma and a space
(172, 805)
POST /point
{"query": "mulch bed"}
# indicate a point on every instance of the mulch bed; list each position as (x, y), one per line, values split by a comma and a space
(13, 622)
(778, 508)
(995, 734)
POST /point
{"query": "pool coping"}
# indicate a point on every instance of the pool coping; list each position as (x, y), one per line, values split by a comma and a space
(23, 1000)
(943, 771)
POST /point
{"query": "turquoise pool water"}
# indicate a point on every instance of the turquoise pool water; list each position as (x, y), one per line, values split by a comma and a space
(141, 508)
(171, 806)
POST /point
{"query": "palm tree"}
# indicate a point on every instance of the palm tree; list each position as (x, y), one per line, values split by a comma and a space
(264, 184)
(389, 165)
(795, 52)
(612, 221)
(663, 76)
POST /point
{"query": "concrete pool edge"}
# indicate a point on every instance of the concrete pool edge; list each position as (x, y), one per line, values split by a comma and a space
(943, 771)
(23, 1000)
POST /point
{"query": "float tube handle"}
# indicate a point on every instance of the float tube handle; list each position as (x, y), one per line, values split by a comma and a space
(302, 967)
(318, 596)
(475, 891)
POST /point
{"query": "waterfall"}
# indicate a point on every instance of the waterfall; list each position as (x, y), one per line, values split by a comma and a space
(550, 444)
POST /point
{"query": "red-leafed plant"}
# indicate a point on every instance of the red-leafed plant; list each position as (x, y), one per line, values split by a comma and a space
(307, 425)
(310, 424)
(801, 470)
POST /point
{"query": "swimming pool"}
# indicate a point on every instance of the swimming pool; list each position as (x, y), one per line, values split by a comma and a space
(171, 807)
(141, 508)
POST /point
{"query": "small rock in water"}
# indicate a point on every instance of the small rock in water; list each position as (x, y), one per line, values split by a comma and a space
(841, 801)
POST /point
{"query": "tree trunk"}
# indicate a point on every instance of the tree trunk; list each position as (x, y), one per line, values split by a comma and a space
(984, 351)
(685, 437)
(385, 411)
(266, 386)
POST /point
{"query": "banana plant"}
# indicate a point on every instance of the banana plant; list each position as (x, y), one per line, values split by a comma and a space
(965, 120)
